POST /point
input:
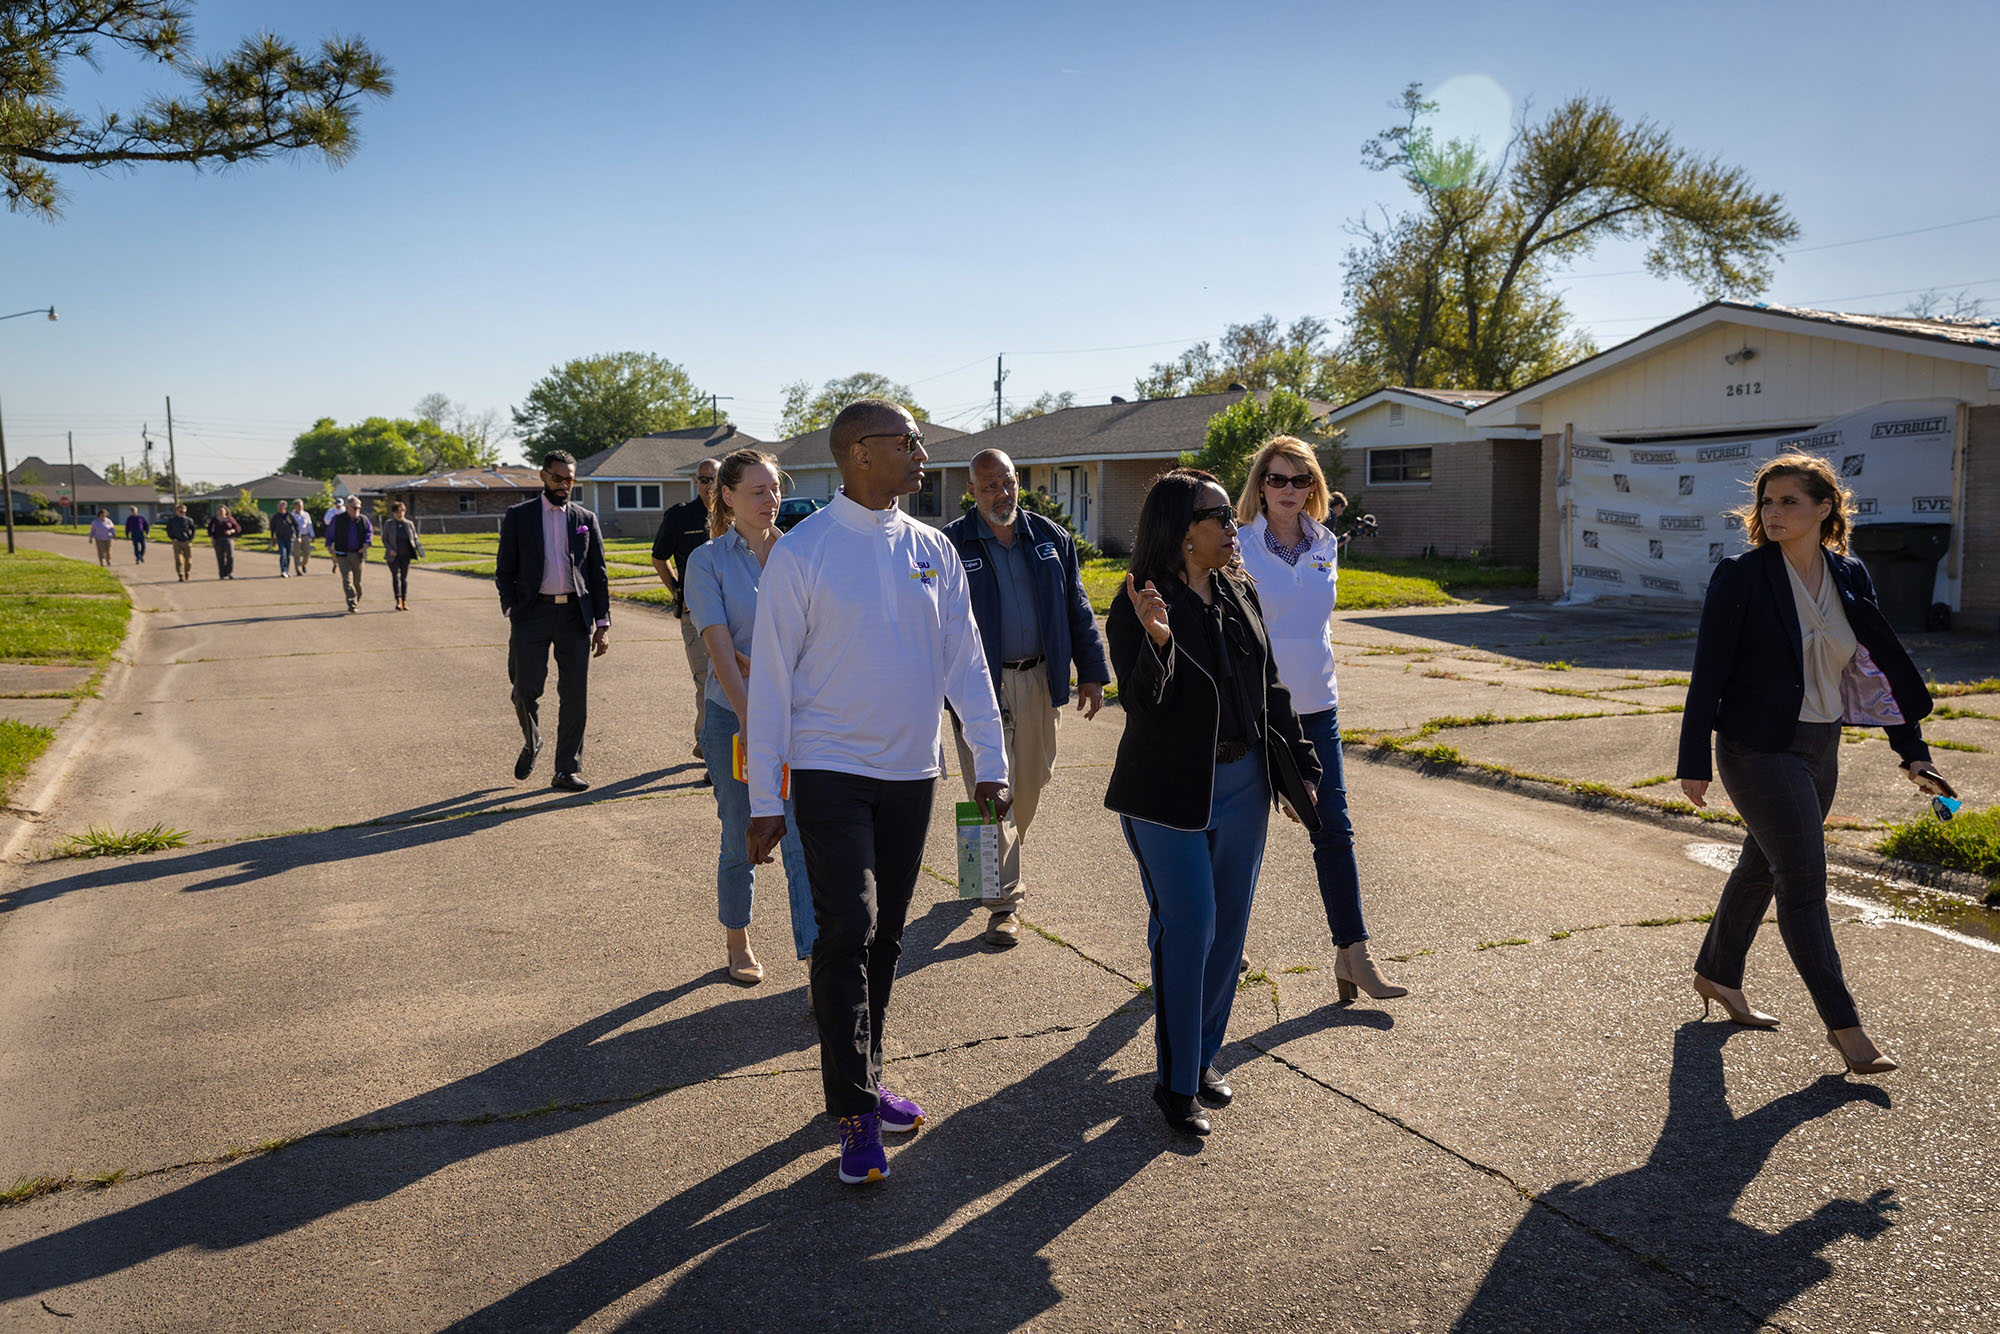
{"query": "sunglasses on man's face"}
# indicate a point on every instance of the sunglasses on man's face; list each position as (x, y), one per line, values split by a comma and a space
(1301, 482)
(912, 441)
(1222, 514)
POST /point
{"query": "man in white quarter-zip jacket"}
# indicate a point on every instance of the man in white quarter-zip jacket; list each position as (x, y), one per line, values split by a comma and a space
(864, 630)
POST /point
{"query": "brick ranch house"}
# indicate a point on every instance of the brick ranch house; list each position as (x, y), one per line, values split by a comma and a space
(466, 500)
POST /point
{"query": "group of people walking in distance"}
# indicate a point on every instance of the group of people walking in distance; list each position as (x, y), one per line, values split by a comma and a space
(826, 661)
(348, 533)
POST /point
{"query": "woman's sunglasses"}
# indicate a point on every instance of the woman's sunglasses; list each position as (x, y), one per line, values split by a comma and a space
(1223, 514)
(1302, 482)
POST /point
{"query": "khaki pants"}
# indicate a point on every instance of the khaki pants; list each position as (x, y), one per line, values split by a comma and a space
(351, 564)
(697, 656)
(1029, 722)
(184, 559)
(302, 547)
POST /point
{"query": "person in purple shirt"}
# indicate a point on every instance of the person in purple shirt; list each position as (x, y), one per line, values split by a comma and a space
(137, 526)
(347, 541)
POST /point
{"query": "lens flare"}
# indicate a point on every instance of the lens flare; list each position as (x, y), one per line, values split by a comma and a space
(1462, 131)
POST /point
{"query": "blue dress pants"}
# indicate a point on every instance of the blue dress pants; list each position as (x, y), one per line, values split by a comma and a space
(1333, 841)
(1198, 887)
(735, 876)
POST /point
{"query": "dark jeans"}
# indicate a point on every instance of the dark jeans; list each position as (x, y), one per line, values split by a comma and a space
(539, 627)
(1333, 842)
(225, 557)
(139, 547)
(864, 845)
(1783, 798)
(399, 579)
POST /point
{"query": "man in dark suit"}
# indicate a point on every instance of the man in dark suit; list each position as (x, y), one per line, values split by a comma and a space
(555, 594)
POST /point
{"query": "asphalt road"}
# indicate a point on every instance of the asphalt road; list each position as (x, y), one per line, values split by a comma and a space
(398, 1043)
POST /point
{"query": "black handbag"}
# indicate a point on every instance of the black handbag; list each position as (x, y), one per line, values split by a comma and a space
(1289, 783)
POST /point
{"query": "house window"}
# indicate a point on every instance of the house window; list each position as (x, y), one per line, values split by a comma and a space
(930, 500)
(638, 496)
(1399, 467)
(465, 503)
(1395, 414)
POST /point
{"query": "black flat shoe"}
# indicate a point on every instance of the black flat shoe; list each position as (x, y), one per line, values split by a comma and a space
(1215, 1090)
(1182, 1115)
(525, 765)
(571, 782)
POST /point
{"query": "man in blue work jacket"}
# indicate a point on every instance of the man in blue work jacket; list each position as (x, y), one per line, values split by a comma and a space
(1034, 622)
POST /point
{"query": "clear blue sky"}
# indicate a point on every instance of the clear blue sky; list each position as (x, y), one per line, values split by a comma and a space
(769, 192)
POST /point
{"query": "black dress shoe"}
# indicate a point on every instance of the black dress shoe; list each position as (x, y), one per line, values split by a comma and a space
(1182, 1115)
(571, 782)
(526, 763)
(1215, 1090)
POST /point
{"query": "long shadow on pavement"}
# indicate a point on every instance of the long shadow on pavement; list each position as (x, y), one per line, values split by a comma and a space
(238, 863)
(607, 1059)
(1624, 639)
(1677, 1208)
(896, 1255)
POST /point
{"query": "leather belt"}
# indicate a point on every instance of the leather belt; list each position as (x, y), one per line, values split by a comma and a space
(555, 597)
(1228, 752)
(1023, 664)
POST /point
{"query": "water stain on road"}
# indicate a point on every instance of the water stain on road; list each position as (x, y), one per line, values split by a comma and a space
(1881, 901)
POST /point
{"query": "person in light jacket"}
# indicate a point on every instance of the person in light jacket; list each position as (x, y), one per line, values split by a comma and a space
(103, 532)
(1295, 560)
(1209, 738)
(1792, 642)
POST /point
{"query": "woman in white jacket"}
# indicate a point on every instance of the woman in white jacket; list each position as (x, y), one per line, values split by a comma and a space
(1291, 553)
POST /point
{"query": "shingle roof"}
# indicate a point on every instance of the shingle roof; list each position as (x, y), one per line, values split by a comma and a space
(1458, 398)
(53, 472)
(277, 486)
(813, 449)
(1147, 428)
(664, 453)
(1977, 333)
(502, 478)
(358, 482)
(103, 494)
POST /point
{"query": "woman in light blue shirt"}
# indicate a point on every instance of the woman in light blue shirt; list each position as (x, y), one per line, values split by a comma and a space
(720, 589)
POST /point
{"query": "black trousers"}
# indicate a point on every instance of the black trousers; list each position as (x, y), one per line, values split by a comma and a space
(539, 627)
(225, 557)
(1783, 797)
(399, 580)
(864, 845)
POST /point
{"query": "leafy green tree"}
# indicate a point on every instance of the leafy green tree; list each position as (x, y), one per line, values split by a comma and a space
(376, 445)
(807, 409)
(266, 99)
(593, 403)
(1240, 430)
(1257, 355)
(1455, 293)
(246, 513)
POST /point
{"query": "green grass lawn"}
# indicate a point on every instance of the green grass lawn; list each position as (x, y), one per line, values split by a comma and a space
(1366, 583)
(1969, 843)
(21, 744)
(43, 572)
(54, 609)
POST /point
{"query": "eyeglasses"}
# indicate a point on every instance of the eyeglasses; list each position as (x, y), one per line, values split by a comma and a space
(1222, 514)
(1302, 482)
(912, 440)
(705, 478)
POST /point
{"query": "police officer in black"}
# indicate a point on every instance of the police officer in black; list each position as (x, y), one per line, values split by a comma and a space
(683, 528)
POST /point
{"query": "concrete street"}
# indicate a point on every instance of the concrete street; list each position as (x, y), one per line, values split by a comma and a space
(398, 1043)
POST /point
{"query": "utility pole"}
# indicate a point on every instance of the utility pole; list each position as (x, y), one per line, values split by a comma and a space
(714, 414)
(999, 378)
(173, 464)
(72, 476)
(7, 485)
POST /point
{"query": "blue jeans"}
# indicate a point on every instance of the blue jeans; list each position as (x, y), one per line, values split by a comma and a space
(1198, 887)
(1333, 843)
(735, 876)
(284, 559)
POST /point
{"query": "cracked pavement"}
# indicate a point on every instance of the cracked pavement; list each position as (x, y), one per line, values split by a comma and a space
(400, 1044)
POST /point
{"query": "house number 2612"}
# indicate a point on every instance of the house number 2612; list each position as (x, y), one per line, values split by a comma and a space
(1739, 390)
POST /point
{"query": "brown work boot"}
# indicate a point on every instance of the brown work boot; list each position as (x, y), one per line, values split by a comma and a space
(1003, 928)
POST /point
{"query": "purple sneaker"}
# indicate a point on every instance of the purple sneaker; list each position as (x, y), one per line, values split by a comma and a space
(899, 1115)
(861, 1156)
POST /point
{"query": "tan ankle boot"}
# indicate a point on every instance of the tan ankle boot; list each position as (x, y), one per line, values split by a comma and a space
(1352, 968)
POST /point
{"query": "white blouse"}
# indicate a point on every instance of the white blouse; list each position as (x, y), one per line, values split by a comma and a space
(1827, 642)
(1298, 611)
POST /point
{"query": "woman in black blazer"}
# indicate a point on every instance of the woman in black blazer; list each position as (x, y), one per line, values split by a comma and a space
(1209, 737)
(1792, 643)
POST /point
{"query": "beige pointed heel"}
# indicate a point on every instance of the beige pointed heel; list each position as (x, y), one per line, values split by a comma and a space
(1354, 971)
(1858, 1054)
(1733, 1004)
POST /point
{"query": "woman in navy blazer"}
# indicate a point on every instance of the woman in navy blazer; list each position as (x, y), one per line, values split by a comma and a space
(1792, 643)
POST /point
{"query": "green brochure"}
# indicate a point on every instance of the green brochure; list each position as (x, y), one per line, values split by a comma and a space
(978, 853)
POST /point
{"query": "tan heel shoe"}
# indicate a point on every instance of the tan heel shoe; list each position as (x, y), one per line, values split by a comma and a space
(743, 965)
(1733, 1004)
(1861, 1056)
(1354, 971)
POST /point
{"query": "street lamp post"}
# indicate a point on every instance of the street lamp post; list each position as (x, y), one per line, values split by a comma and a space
(6, 472)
